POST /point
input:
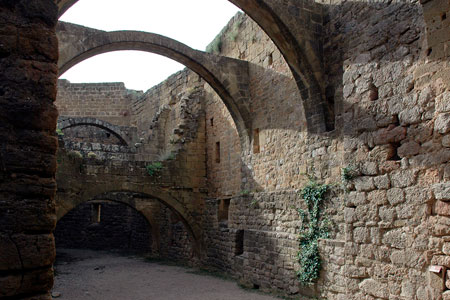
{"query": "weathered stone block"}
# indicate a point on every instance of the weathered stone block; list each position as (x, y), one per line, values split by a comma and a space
(395, 196)
(375, 288)
(446, 249)
(361, 235)
(349, 215)
(440, 225)
(446, 141)
(408, 149)
(382, 152)
(369, 168)
(397, 238)
(441, 260)
(377, 197)
(410, 116)
(355, 199)
(443, 102)
(382, 182)
(388, 135)
(408, 289)
(387, 214)
(364, 184)
(442, 191)
(442, 123)
(403, 178)
(418, 194)
(442, 208)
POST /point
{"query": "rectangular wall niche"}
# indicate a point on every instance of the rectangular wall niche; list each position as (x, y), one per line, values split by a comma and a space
(224, 206)
(256, 145)
(96, 213)
(239, 242)
(217, 152)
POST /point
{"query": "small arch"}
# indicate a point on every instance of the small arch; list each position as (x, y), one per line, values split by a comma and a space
(69, 122)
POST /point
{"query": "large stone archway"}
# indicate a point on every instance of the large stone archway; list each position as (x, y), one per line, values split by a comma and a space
(295, 26)
(227, 76)
(81, 180)
(141, 202)
(116, 225)
(65, 204)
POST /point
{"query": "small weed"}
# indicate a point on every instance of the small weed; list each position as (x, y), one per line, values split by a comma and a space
(74, 155)
(245, 192)
(154, 168)
(59, 132)
(233, 34)
(92, 155)
(254, 203)
(348, 173)
(216, 45)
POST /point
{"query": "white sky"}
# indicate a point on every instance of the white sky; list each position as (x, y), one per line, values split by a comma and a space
(192, 22)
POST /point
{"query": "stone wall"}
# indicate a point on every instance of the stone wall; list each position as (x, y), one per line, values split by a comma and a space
(104, 225)
(110, 102)
(28, 57)
(175, 241)
(389, 93)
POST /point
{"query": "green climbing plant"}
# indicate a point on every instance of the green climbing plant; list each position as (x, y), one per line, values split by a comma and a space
(154, 168)
(315, 226)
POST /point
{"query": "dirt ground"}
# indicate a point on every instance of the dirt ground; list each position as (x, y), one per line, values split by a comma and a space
(85, 274)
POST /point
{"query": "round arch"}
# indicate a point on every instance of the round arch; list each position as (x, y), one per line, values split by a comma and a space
(68, 122)
(224, 75)
(150, 221)
(300, 47)
(66, 204)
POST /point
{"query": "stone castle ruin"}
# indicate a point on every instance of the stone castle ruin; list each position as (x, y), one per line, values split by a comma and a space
(311, 142)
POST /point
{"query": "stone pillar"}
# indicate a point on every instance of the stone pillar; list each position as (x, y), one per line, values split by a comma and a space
(28, 73)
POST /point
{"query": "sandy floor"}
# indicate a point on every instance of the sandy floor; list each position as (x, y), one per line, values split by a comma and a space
(84, 274)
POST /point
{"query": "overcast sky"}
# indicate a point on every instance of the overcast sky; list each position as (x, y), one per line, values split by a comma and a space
(192, 22)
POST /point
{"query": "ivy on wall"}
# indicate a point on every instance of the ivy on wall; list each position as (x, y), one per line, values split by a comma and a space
(154, 168)
(315, 226)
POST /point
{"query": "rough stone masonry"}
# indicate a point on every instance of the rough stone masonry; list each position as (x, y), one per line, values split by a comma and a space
(310, 88)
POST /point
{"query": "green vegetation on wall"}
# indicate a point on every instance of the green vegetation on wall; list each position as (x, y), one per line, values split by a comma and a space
(314, 227)
(154, 168)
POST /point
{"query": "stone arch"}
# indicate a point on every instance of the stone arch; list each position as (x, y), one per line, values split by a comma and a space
(151, 222)
(295, 26)
(68, 122)
(92, 190)
(225, 75)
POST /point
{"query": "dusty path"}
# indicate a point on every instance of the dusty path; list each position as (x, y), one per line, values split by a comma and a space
(84, 274)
